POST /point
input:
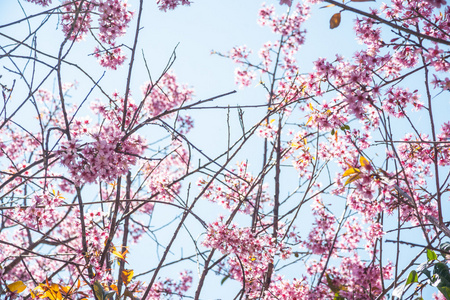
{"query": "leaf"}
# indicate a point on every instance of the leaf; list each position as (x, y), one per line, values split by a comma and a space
(109, 295)
(119, 255)
(353, 178)
(114, 287)
(363, 161)
(443, 281)
(345, 127)
(332, 131)
(431, 255)
(351, 171)
(445, 290)
(335, 20)
(17, 287)
(126, 276)
(362, 0)
(224, 279)
(129, 294)
(423, 269)
(98, 291)
(329, 5)
(412, 277)
(335, 289)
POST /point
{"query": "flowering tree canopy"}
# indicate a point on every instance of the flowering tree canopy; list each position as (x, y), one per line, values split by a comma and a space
(339, 189)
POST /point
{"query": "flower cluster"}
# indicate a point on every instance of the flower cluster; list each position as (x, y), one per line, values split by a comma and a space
(107, 157)
(76, 21)
(41, 2)
(252, 253)
(113, 20)
(171, 287)
(111, 58)
(164, 95)
(165, 5)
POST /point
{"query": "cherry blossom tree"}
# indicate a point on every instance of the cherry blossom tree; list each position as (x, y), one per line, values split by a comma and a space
(345, 197)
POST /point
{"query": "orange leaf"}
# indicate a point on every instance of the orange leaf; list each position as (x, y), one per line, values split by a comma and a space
(329, 5)
(17, 287)
(335, 20)
(126, 276)
(114, 287)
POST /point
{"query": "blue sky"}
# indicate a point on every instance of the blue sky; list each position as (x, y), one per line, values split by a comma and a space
(204, 26)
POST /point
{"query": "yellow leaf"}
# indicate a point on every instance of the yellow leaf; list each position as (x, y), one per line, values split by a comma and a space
(52, 295)
(126, 276)
(55, 287)
(309, 120)
(353, 178)
(114, 287)
(335, 20)
(17, 287)
(363, 161)
(351, 171)
(66, 289)
(118, 254)
(329, 5)
(310, 106)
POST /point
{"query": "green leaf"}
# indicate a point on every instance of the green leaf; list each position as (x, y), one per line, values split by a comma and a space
(99, 291)
(427, 273)
(445, 290)
(338, 297)
(333, 131)
(109, 295)
(441, 271)
(431, 255)
(224, 279)
(412, 277)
